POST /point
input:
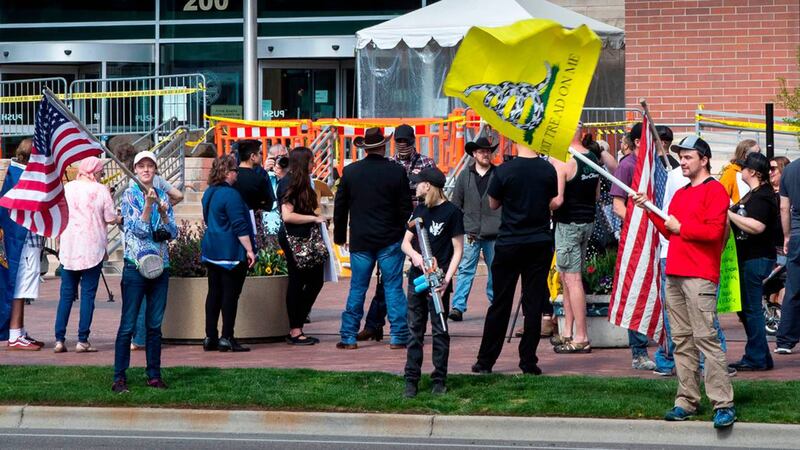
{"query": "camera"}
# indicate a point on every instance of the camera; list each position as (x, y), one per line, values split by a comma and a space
(161, 234)
(282, 162)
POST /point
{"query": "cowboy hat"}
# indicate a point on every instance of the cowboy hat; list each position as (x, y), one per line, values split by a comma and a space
(481, 142)
(372, 138)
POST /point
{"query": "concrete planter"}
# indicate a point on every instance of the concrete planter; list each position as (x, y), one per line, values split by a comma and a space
(601, 332)
(261, 315)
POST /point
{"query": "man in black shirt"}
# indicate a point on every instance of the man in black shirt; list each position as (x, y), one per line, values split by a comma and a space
(373, 195)
(527, 189)
(253, 187)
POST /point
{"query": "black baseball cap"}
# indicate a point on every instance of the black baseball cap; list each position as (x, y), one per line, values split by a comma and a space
(636, 131)
(664, 133)
(432, 175)
(693, 142)
(404, 133)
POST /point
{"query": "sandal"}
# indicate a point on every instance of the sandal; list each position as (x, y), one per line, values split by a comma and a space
(574, 347)
(557, 339)
(300, 340)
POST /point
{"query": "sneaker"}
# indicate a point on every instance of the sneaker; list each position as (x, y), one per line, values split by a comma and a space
(120, 387)
(732, 371)
(724, 417)
(664, 372)
(744, 367)
(84, 347)
(21, 343)
(344, 346)
(156, 383)
(783, 351)
(410, 390)
(677, 414)
(34, 341)
(136, 348)
(642, 363)
(438, 389)
(456, 315)
(59, 347)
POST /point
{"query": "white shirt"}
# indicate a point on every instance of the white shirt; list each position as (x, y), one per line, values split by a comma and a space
(675, 181)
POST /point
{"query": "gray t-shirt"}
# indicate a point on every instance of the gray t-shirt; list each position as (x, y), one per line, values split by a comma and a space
(790, 188)
(158, 182)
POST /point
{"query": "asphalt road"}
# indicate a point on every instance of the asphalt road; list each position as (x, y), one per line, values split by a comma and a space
(88, 439)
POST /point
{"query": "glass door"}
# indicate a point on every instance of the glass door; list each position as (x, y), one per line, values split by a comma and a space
(299, 89)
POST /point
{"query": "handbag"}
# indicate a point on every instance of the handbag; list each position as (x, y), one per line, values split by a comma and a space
(308, 251)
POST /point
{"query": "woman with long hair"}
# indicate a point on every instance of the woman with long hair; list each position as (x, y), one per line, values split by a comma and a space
(754, 220)
(227, 251)
(731, 176)
(298, 202)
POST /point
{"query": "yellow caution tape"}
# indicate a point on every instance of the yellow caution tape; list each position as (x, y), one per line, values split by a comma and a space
(259, 123)
(754, 125)
(102, 95)
(202, 138)
(380, 124)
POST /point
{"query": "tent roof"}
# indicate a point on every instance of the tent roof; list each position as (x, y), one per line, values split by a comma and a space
(447, 21)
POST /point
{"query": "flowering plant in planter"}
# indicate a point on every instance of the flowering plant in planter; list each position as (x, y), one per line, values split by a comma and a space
(185, 254)
(598, 272)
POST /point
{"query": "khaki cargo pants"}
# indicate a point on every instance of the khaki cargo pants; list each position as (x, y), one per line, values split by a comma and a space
(692, 307)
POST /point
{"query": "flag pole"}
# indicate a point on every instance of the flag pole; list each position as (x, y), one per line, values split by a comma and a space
(62, 108)
(654, 132)
(648, 204)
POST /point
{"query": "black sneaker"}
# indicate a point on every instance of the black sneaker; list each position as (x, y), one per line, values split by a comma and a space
(478, 368)
(438, 389)
(156, 383)
(411, 390)
(456, 315)
(120, 387)
(535, 370)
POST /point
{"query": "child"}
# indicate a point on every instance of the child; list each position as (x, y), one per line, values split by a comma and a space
(445, 226)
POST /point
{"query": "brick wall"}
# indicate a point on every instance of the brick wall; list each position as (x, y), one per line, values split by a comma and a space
(723, 54)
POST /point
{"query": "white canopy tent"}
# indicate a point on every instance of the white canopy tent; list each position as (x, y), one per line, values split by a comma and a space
(402, 63)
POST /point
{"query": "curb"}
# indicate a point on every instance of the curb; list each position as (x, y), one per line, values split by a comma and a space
(609, 431)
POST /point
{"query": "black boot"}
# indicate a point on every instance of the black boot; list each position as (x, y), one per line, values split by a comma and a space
(226, 345)
(411, 389)
(210, 344)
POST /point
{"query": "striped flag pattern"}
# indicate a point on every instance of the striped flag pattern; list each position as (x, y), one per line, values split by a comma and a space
(636, 296)
(37, 201)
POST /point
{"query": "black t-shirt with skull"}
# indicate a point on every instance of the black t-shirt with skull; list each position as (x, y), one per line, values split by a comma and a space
(443, 222)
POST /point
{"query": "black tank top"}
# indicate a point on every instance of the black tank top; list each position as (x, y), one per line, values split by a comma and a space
(580, 194)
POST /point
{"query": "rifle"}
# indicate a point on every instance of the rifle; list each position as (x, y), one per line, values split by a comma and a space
(432, 276)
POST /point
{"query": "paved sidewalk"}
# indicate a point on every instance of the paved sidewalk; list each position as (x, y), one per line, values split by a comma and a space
(372, 356)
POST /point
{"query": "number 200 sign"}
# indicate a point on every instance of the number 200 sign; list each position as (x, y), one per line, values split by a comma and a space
(206, 5)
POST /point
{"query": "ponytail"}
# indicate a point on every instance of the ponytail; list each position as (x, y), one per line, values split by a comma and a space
(588, 142)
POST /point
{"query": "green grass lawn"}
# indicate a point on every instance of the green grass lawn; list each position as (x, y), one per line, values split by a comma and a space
(310, 390)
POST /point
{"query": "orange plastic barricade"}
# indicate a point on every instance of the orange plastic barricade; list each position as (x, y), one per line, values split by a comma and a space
(289, 133)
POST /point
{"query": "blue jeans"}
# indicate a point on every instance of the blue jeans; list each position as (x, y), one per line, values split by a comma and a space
(138, 290)
(789, 328)
(753, 272)
(390, 261)
(140, 332)
(88, 280)
(665, 362)
(466, 270)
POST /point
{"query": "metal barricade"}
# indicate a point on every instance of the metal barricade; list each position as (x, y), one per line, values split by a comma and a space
(114, 106)
(19, 100)
(724, 130)
(292, 133)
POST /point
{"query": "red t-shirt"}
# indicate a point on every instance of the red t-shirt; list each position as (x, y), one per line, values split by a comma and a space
(702, 211)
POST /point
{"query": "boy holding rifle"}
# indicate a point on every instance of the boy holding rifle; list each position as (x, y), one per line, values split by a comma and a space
(443, 223)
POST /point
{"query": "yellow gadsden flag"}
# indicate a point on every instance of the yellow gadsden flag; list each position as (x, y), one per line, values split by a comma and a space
(528, 80)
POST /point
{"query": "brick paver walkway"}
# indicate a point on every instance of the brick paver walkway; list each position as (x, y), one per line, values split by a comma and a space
(371, 356)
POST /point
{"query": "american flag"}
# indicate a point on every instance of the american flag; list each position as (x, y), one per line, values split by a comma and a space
(37, 201)
(636, 296)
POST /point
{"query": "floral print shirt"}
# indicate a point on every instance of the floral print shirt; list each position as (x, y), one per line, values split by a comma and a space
(138, 233)
(84, 241)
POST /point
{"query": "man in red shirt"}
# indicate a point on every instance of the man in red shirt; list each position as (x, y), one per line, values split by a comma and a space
(696, 232)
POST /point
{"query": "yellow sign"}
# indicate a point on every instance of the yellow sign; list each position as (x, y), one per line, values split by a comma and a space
(730, 295)
(528, 80)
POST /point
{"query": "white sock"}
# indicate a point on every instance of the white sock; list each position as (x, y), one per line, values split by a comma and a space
(15, 333)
